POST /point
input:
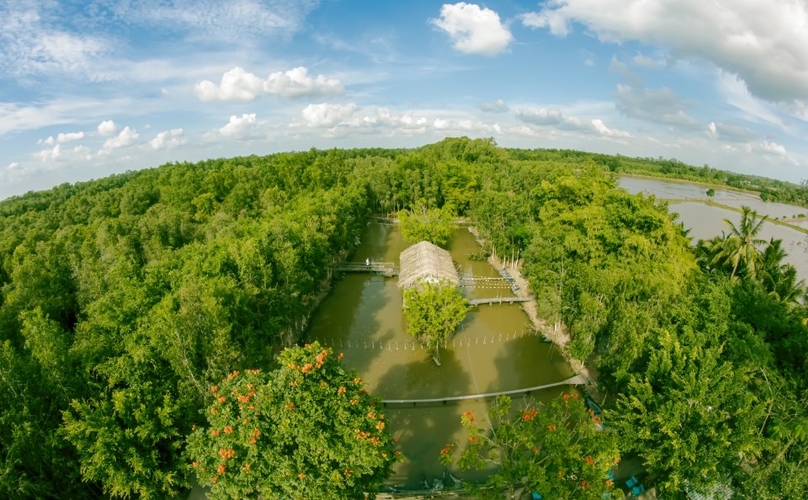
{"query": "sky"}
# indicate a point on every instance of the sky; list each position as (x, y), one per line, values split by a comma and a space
(95, 87)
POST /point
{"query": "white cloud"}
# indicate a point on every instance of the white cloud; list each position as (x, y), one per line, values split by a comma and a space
(555, 119)
(643, 61)
(241, 85)
(498, 106)
(473, 30)
(125, 138)
(107, 127)
(602, 129)
(236, 85)
(50, 154)
(659, 106)
(541, 116)
(168, 139)
(13, 166)
(737, 94)
(730, 132)
(70, 136)
(240, 127)
(772, 148)
(297, 83)
(213, 21)
(326, 114)
(555, 22)
(764, 43)
(30, 45)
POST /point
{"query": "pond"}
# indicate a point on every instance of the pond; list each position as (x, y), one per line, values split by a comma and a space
(707, 221)
(495, 349)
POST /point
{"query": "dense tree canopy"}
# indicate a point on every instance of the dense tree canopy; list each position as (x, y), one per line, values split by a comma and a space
(558, 450)
(123, 300)
(306, 430)
(433, 311)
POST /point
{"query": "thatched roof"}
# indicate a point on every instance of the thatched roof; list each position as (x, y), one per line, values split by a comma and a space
(424, 261)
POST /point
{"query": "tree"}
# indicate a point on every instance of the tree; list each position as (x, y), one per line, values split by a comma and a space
(689, 413)
(433, 312)
(711, 192)
(305, 430)
(559, 450)
(739, 248)
(434, 225)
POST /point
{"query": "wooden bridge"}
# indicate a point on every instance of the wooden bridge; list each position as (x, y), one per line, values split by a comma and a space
(385, 268)
(574, 380)
(500, 300)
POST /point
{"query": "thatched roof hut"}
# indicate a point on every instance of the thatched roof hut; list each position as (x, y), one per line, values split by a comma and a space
(426, 262)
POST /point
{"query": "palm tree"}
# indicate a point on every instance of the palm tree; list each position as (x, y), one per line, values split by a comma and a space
(739, 248)
(779, 280)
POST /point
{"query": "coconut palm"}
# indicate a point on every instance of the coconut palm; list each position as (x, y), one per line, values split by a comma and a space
(779, 279)
(740, 248)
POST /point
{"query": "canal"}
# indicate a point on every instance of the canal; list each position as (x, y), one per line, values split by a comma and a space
(495, 349)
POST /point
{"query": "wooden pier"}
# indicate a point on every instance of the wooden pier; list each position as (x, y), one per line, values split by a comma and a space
(385, 268)
(574, 380)
(500, 300)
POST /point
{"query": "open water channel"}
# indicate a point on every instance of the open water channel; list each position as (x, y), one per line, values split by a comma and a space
(495, 349)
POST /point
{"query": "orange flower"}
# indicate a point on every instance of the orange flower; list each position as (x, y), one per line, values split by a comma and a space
(214, 479)
(228, 429)
(589, 460)
(446, 450)
(247, 467)
(290, 406)
(348, 472)
(221, 469)
(384, 455)
(566, 396)
(535, 449)
(221, 399)
(380, 425)
(214, 411)
(195, 464)
(596, 420)
(529, 414)
(214, 432)
(609, 482)
(301, 475)
(551, 427)
(357, 381)
(467, 417)
(472, 439)
(214, 388)
(341, 390)
(371, 415)
(341, 355)
(307, 368)
(244, 399)
(354, 401)
(584, 485)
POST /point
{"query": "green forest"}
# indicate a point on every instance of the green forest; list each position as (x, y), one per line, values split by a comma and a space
(149, 322)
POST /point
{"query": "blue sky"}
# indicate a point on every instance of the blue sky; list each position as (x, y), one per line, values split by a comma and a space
(94, 87)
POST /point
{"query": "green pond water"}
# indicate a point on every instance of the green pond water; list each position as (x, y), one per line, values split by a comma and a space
(495, 349)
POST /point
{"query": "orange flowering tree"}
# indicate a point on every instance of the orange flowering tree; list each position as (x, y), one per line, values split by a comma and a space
(306, 430)
(559, 450)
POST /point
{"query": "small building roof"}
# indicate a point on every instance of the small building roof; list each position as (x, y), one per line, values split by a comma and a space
(427, 262)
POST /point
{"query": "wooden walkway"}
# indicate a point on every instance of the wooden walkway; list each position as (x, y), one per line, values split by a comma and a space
(500, 300)
(574, 380)
(385, 268)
